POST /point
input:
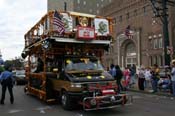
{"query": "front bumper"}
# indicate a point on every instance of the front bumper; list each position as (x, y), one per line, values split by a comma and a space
(106, 102)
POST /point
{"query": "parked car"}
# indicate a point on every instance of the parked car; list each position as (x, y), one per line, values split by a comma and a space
(20, 78)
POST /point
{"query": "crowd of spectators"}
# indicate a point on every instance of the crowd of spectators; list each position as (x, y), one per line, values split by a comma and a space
(145, 78)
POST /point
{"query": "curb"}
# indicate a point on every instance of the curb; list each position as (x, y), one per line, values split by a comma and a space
(146, 92)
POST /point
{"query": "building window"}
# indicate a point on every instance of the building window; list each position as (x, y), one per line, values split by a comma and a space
(160, 62)
(156, 43)
(90, 10)
(130, 49)
(127, 15)
(135, 12)
(97, 11)
(151, 44)
(84, 2)
(120, 18)
(78, 1)
(160, 43)
(155, 60)
(151, 60)
(144, 10)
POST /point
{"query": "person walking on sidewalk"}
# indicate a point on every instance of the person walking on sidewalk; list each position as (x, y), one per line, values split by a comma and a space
(132, 74)
(155, 77)
(147, 77)
(127, 78)
(7, 81)
(173, 77)
(118, 77)
(141, 79)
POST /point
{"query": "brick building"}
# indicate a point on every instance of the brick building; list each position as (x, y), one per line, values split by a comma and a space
(145, 45)
(84, 6)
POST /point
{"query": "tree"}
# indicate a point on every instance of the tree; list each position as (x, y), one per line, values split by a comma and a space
(14, 63)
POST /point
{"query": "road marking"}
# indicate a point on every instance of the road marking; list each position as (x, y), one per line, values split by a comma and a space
(79, 114)
(42, 110)
(14, 111)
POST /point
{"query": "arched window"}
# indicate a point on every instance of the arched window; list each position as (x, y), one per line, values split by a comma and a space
(130, 50)
(130, 55)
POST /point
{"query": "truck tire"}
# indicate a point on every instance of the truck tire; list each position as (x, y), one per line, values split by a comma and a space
(66, 101)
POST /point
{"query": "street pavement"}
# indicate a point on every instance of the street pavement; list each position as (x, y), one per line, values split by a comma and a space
(143, 105)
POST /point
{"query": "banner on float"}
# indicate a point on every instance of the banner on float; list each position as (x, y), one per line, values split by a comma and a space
(101, 27)
(68, 22)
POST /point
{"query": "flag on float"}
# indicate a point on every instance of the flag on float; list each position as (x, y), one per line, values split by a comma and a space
(58, 23)
(128, 32)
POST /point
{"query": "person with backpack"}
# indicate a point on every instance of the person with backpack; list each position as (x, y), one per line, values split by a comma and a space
(118, 77)
(7, 81)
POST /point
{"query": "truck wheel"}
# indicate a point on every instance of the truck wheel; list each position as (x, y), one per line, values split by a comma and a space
(66, 101)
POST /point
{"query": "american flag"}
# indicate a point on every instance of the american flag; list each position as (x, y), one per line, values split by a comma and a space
(59, 25)
(128, 32)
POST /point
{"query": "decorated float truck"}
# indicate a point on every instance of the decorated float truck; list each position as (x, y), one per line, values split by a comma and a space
(64, 61)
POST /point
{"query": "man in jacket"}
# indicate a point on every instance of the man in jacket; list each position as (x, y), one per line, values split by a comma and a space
(6, 79)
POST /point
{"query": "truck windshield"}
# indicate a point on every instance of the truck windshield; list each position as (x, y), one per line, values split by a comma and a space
(81, 64)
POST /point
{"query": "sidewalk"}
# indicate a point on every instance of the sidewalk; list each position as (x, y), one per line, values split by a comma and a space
(135, 88)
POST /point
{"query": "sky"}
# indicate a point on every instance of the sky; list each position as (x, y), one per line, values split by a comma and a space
(16, 18)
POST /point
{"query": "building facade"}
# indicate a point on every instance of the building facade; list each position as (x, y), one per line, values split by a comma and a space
(83, 6)
(144, 45)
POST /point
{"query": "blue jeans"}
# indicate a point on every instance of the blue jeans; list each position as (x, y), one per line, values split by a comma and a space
(154, 84)
(173, 86)
(133, 80)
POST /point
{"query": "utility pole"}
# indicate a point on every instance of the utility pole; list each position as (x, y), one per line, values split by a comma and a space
(160, 9)
(166, 33)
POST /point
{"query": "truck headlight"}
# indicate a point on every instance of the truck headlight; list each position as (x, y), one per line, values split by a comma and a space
(77, 85)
